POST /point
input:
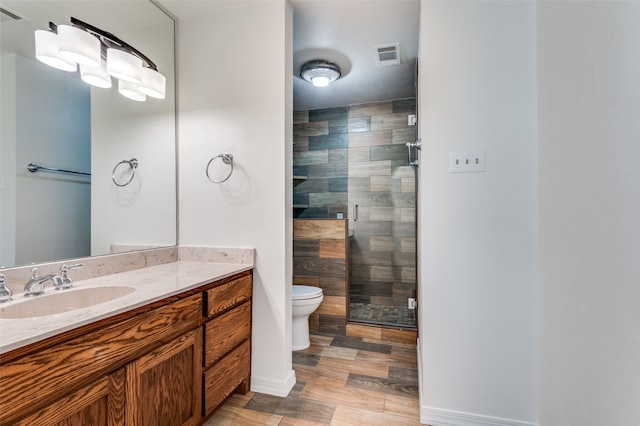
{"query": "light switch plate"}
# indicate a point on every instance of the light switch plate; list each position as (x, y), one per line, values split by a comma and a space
(470, 161)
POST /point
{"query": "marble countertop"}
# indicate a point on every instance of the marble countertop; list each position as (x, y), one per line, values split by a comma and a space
(151, 284)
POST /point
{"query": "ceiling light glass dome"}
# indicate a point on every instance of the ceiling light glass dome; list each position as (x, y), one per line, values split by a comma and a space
(320, 73)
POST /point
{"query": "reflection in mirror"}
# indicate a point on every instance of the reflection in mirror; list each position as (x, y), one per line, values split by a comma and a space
(53, 119)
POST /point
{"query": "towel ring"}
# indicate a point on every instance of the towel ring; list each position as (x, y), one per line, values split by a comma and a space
(226, 159)
(133, 163)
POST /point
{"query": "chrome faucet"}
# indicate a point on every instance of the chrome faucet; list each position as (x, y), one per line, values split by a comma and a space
(64, 281)
(35, 285)
(5, 292)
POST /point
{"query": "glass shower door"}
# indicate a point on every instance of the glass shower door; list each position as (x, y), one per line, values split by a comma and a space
(382, 223)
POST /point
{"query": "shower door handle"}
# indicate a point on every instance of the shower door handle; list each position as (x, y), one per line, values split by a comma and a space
(355, 212)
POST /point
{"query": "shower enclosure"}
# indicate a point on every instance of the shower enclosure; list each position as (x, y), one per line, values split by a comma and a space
(352, 162)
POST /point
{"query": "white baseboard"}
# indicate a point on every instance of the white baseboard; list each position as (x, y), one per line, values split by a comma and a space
(439, 417)
(273, 387)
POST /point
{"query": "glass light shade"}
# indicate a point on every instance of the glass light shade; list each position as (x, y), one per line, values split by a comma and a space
(130, 90)
(320, 81)
(153, 83)
(124, 65)
(79, 46)
(47, 51)
(320, 73)
(96, 76)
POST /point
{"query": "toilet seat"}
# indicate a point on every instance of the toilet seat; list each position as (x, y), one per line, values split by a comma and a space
(304, 292)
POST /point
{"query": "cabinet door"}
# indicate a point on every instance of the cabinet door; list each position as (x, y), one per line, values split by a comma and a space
(164, 387)
(99, 404)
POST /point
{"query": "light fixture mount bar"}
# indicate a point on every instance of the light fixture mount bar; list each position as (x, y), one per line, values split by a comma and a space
(109, 40)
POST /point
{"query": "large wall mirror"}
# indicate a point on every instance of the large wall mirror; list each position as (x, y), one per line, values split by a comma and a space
(53, 119)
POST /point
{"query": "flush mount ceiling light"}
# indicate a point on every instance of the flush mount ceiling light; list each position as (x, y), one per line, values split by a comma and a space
(320, 73)
(101, 55)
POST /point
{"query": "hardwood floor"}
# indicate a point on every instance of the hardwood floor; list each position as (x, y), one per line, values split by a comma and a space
(340, 381)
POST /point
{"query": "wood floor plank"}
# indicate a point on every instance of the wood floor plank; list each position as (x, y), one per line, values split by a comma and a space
(299, 408)
(357, 343)
(305, 358)
(401, 406)
(237, 400)
(336, 366)
(318, 340)
(398, 360)
(347, 397)
(292, 421)
(395, 346)
(406, 374)
(232, 416)
(387, 385)
(298, 387)
(321, 376)
(347, 416)
(332, 352)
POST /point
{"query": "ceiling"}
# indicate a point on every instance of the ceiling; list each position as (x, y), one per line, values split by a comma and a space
(341, 31)
(344, 32)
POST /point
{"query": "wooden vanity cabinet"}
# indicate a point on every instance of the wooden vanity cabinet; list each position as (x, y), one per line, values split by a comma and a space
(227, 342)
(143, 367)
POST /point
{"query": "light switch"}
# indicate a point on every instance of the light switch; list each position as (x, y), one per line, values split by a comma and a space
(461, 162)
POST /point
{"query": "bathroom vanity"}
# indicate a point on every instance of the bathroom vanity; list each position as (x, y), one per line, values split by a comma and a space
(169, 353)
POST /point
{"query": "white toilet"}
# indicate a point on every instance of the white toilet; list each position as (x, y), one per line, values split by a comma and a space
(306, 300)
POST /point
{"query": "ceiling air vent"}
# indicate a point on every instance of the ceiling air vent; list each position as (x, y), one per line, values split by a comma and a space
(9, 17)
(388, 54)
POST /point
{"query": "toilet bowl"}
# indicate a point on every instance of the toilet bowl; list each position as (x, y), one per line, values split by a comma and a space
(306, 300)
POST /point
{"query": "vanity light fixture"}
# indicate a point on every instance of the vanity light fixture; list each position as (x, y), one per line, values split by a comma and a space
(101, 55)
(320, 73)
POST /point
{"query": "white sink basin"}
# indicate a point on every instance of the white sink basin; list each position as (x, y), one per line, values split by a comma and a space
(57, 302)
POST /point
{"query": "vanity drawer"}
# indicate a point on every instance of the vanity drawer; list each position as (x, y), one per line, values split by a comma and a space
(225, 332)
(225, 376)
(226, 296)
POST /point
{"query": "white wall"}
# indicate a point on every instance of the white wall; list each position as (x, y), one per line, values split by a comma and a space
(143, 212)
(589, 190)
(477, 231)
(235, 80)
